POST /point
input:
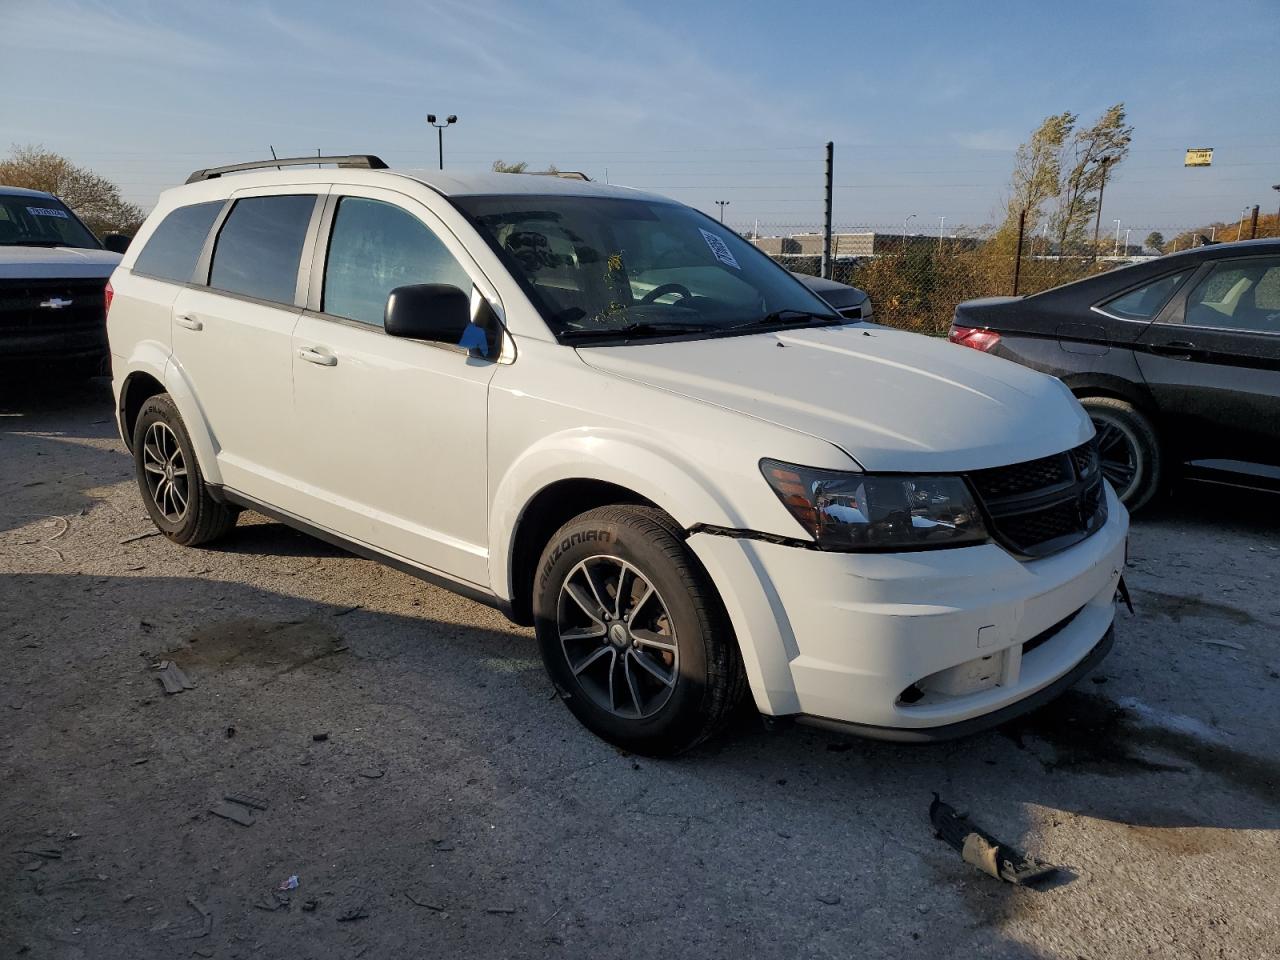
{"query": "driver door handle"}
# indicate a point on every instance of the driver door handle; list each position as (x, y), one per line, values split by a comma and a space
(188, 321)
(316, 356)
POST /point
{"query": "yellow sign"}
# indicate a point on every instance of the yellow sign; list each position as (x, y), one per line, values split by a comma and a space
(1199, 157)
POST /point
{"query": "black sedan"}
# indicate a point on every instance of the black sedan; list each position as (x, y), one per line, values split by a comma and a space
(1177, 360)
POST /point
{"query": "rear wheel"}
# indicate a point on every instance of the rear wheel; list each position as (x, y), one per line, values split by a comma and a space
(632, 632)
(169, 478)
(1128, 447)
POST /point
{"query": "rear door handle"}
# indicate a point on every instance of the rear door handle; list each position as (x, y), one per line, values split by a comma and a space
(190, 322)
(1176, 349)
(313, 355)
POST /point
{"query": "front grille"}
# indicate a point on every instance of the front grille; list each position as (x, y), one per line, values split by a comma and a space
(1045, 505)
(20, 310)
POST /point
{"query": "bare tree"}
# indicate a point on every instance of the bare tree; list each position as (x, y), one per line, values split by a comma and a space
(96, 200)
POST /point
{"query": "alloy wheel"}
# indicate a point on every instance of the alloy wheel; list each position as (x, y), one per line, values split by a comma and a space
(166, 472)
(618, 637)
(1118, 454)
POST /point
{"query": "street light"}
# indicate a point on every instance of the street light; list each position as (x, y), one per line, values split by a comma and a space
(941, 221)
(1240, 229)
(904, 230)
(722, 204)
(1276, 187)
(1127, 231)
(1115, 252)
(431, 119)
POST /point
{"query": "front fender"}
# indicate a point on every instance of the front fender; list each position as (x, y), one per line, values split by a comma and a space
(677, 485)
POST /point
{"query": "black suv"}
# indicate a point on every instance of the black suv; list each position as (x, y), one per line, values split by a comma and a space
(1177, 360)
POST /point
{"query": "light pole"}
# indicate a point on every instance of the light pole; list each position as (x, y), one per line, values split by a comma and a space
(722, 204)
(1127, 230)
(941, 221)
(1115, 252)
(1240, 229)
(431, 119)
(1276, 188)
(904, 230)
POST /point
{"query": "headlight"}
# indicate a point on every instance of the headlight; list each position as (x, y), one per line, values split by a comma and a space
(866, 511)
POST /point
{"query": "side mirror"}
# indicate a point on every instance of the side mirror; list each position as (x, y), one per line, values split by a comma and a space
(116, 242)
(436, 312)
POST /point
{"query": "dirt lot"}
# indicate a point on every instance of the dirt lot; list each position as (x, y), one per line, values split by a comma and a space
(457, 809)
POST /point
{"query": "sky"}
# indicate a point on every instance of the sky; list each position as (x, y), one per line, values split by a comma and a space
(701, 101)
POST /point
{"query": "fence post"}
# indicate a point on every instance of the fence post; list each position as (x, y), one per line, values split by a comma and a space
(826, 221)
(1017, 258)
(1253, 227)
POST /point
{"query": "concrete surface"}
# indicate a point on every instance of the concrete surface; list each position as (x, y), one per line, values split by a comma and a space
(458, 809)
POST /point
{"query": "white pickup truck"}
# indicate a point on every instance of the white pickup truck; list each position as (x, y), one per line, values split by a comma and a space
(53, 274)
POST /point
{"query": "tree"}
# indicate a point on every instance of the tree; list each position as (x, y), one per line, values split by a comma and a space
(1037, 168)
(95, 200)
(1155, 241)
(521, 166)
(1093, 154)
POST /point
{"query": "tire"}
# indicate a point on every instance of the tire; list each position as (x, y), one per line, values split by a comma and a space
(1130, 449)
(179, 503)
(677, 678)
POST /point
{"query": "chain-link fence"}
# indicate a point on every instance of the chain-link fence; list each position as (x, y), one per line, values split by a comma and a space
(915, 281)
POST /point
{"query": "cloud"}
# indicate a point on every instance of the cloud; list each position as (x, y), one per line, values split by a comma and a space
(990, 140)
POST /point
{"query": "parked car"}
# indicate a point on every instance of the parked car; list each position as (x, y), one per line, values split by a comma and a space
(848, 301)
(1177, 361)
(615, 420)
(53, 273)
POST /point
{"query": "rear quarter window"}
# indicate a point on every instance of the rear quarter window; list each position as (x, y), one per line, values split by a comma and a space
(174, 247)
(1145, 302)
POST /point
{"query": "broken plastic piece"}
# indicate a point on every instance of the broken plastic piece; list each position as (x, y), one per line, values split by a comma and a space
(980, 849)
(1123, 590)
(246, 801)
(233, 812)
(172, 678)
(290, 884)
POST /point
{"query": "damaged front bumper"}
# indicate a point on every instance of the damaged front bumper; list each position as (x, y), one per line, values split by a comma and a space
(916, 646)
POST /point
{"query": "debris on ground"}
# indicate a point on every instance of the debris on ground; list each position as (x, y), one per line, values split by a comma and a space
(309, 906)
(246, 801)
(140, 536)
(346, 610)
(1223, 643)
(288, 884)
(319, 737)
(172, 678)
(372, 774)
(356, 912)
(830, 899)
(437, 907)
(234, 812)
(979, 849)
(201, 909)
(503, 910)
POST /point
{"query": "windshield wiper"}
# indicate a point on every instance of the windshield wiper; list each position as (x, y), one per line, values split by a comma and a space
(787, 318)
(647, 328)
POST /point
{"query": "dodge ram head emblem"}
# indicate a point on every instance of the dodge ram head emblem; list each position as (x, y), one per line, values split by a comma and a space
(55, 303)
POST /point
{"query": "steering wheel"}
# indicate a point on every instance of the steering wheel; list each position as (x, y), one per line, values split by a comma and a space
(664, 289)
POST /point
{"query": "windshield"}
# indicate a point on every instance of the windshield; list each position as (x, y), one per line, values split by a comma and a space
(598, 267)
(41, 222)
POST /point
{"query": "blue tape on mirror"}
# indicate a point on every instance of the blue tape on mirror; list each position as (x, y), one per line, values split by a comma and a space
(473, 338)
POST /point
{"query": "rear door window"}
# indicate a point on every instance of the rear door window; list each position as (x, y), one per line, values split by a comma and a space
(376, 247)
(1238, 295)
(174, 247)
(260, 246)
(1145, 302)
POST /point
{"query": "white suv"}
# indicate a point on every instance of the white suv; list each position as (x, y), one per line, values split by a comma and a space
(615, 420)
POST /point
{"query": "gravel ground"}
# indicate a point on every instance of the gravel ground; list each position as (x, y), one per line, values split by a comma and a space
(454, 808)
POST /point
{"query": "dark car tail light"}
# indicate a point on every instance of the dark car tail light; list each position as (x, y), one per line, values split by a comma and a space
(980, 338)
(107, 294)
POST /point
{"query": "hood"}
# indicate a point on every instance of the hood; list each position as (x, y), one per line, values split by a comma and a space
(893, 401)
(55, 263)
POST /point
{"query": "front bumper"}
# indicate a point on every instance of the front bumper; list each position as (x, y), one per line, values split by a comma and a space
(915, 642)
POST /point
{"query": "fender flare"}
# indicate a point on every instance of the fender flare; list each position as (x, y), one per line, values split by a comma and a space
(676, 485)
(155, 360)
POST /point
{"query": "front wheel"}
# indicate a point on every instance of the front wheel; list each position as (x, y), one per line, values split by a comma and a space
(1128, 447)
(632, 632)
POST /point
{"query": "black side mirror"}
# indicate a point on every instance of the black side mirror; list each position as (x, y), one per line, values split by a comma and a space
(116, 242)
(436, 312)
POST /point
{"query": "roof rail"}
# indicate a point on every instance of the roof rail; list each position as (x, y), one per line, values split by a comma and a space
(365, 161)
(562, 174)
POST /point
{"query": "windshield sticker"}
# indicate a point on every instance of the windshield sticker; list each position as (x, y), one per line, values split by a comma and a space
(48, 212)
(719, 249)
